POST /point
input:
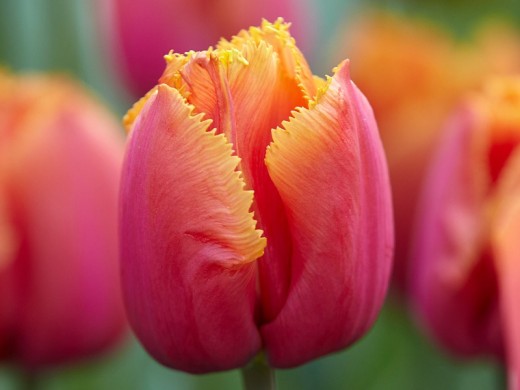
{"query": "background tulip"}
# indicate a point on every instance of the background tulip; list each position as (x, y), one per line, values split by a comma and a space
(205, 288)
(465, 253)
(143, 31)
(60, 157)
(414, 72)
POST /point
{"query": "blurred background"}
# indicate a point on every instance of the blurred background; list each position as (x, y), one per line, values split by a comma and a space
(95, 42)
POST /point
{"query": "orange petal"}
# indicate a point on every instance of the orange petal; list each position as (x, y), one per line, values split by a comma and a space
(188, 241)
(277, 35)
(329, 167)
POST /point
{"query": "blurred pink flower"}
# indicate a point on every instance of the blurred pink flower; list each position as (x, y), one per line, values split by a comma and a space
(60, 158)
(291, 154)
(142, 32)
(466, 257)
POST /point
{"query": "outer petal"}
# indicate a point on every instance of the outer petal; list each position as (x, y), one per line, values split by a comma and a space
(454, 284)
(61, 180)
(329, 167)
(188, 241)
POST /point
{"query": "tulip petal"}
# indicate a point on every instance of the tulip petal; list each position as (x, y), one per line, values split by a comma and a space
(277, 35)
(328, 165)
(133, 112)
(187, 234)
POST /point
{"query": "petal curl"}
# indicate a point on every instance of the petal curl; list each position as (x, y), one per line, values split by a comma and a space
(187, 233)
(293, 63)
(329, 167)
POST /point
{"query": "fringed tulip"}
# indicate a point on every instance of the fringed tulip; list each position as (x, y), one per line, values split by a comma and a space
(413, 73)
(466, 257)
(237, 237)
(60, 157)
(143, 31)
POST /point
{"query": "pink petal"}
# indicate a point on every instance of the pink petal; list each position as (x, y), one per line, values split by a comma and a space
(188, 241)
(329, 167)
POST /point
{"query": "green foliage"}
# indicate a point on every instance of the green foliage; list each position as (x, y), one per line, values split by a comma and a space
(459, 16)
(60, 36)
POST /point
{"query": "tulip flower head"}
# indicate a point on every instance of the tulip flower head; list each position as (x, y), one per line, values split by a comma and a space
(60, 158)
(255, 208)
(466, 264)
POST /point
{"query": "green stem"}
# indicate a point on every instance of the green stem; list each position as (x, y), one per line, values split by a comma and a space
(29, 380)
(258, 375)
(502, 377)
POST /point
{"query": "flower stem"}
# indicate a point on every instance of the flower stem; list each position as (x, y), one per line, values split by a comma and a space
(258, 375)
(29, 381)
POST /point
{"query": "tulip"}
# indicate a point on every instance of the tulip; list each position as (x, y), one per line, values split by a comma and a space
(237, 237)
(414, 73)
(60, 158)
(143, 31)
(465, 259)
